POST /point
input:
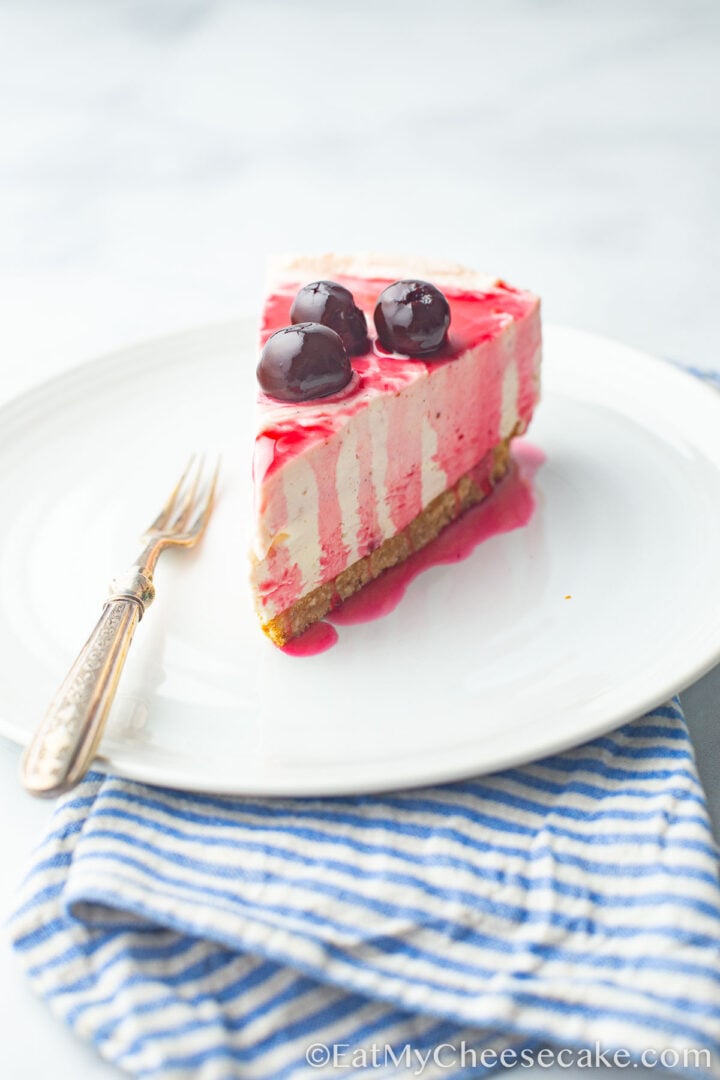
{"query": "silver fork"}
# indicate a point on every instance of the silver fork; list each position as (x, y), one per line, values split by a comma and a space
(65, 743)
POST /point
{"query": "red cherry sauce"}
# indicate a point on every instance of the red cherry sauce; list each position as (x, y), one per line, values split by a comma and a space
(510, 506)
(318, 638)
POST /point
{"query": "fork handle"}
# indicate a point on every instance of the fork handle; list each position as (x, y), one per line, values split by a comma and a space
(65, 744)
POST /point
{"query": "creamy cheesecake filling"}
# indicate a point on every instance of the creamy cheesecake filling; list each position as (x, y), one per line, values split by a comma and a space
(322, 511)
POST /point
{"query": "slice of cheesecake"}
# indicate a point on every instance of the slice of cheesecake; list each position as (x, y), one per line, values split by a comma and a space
(349, 484)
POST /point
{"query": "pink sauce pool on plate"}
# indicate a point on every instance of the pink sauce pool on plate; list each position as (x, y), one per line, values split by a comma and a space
(510, 506)
(318, 638)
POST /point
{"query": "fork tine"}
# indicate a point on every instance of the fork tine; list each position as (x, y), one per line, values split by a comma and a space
(168, 509)
(186, 502)
(206, 504)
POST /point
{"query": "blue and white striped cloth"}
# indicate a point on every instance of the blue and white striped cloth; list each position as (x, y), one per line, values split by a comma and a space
(572, 902)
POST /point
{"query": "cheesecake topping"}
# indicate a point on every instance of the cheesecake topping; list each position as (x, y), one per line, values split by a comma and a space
(303, 362)
(332, 305)
(412, 318)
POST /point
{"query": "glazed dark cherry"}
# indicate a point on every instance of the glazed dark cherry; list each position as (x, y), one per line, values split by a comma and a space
(332, 305)
(302, 362)
(412, 317)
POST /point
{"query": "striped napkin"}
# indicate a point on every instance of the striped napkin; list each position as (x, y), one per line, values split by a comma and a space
(572, 904)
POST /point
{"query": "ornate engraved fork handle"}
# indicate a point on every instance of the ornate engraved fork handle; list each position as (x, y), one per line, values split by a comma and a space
(65, 744)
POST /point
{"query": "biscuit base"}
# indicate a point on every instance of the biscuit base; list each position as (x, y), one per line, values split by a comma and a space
(469, 490)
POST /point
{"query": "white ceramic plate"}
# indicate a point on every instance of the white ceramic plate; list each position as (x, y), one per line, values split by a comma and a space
(484, 663)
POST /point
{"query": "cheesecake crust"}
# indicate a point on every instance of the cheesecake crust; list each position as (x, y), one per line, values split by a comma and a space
(469, 490)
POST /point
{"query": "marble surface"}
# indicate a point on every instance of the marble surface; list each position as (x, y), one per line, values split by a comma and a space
(153, 151)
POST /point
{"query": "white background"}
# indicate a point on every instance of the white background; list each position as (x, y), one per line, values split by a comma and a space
(153, 151)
